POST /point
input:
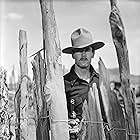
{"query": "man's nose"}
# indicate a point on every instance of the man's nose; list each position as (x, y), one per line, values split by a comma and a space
(83, 53)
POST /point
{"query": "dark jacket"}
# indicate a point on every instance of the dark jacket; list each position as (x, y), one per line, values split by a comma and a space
(77, 89)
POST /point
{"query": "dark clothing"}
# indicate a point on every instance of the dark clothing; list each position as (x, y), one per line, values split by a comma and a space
(78, 89)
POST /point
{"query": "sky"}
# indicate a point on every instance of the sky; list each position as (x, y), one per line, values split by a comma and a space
(70, 14)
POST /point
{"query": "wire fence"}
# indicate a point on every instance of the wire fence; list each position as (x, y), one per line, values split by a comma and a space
(105, 125)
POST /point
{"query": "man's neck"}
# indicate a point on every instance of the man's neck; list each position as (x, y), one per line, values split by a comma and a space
(83, 73)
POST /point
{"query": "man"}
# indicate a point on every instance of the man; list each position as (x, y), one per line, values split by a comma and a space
(82, 74)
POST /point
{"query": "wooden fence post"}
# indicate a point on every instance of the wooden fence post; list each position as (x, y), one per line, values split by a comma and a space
(92, 122)
(113, 111)
(42, 125)
(22, 130)
(54, 84)
(5, 133)
(118, 35)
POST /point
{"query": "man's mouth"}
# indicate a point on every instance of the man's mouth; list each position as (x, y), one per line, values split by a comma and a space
(83, 59)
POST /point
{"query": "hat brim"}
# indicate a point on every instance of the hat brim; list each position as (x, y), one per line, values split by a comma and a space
(95, 46)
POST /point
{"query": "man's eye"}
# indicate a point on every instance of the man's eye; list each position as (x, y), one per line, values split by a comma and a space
(87, 49)
(81, 50)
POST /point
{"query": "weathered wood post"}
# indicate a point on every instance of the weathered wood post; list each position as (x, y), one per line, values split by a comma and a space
(22, 96)
(41, 111)
(118, 35)
(113, 111)
(92, 123)
(54, 84)
(5, 133)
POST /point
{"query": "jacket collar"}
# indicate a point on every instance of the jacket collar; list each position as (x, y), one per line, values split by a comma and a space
(74, 76)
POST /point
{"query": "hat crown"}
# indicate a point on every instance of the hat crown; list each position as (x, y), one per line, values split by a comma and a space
(81, 37)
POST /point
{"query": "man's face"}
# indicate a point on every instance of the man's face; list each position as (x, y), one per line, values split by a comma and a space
(83, 57)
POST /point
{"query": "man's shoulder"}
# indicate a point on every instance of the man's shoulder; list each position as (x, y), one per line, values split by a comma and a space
(70, 76)
(67, 76)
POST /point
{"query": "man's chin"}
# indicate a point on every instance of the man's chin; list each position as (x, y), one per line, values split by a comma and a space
(83, 66)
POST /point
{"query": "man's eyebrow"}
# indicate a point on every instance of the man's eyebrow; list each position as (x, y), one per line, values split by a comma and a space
(88, 48)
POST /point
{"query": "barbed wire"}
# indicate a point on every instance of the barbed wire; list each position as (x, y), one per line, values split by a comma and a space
(106, 125)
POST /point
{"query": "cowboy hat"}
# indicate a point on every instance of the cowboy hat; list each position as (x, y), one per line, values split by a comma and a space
(81, 38)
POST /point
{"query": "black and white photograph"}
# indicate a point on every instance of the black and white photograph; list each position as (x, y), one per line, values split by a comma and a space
(69, 70)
